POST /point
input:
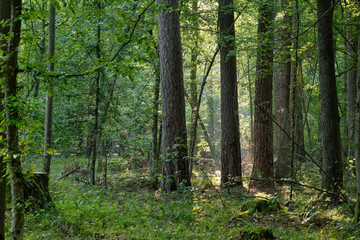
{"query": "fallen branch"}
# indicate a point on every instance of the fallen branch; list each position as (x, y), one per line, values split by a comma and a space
(71, 172)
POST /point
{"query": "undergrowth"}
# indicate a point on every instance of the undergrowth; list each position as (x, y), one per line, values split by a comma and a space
(129, 208)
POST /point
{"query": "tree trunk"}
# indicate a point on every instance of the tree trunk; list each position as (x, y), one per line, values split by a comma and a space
(263, 168)
(357, 138)
(297, 104)
(49, 97)
(155, 164)
(230, 135)
(175, 163)
(351, 91)
(5, 15)
(282, 96)
(2, 195)
(97, 99)
(193, 80)
(251, 144)
(211, 110)
(12, 114)
(332, 163)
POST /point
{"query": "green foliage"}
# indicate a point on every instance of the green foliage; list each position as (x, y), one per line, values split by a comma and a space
(261, 205)
(130, 208)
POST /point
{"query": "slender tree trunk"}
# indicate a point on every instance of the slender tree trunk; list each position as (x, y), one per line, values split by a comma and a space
(155, 164)
(50, 94)
(282, 96)
(351, 100)
(251, 144)
(331, 143)
(230, 135)
(193, 80)
(211, 110)
(357, 138)
(263, 168)
(97, 99)
(175, 164)
(12, 114)
(5, 16)
(2, 193)
(206, 133)
(298, 131)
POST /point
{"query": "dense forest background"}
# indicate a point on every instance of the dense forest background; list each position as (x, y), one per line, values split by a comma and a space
(179, 119)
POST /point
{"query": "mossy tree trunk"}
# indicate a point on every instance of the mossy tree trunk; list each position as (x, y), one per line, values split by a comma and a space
(13, 119)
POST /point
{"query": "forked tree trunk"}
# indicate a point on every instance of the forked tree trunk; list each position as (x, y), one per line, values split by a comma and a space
(230, 135)
(175, 163)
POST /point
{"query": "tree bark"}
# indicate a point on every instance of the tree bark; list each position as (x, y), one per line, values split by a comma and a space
(50, 94)
(193, 80)
(357, 138)
(298, 122)
(12, 115)
(230, 135)
(155, 164)
(5, 15)
(351, 91)
(331, 144)
(175, 163)
(97, 100)
(282, 95)
(263, 168)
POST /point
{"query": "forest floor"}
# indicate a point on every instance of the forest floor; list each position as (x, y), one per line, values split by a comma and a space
(130, 208)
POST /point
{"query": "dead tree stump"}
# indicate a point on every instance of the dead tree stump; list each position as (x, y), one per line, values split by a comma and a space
(36, 190)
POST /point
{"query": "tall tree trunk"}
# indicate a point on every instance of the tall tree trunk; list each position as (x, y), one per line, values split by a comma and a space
(331, 144)
(2, 193)
(175, 164)
(282, 96)
(297, 104)
(97, 99)
(5, 15)
(12, 114)
(50, 94)
(230, 135)
(155, 164)
(103, 117)
(193, 79)
(351, 91)
(357, 138)
(251, 144)
(211, 110)
(263, 168)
